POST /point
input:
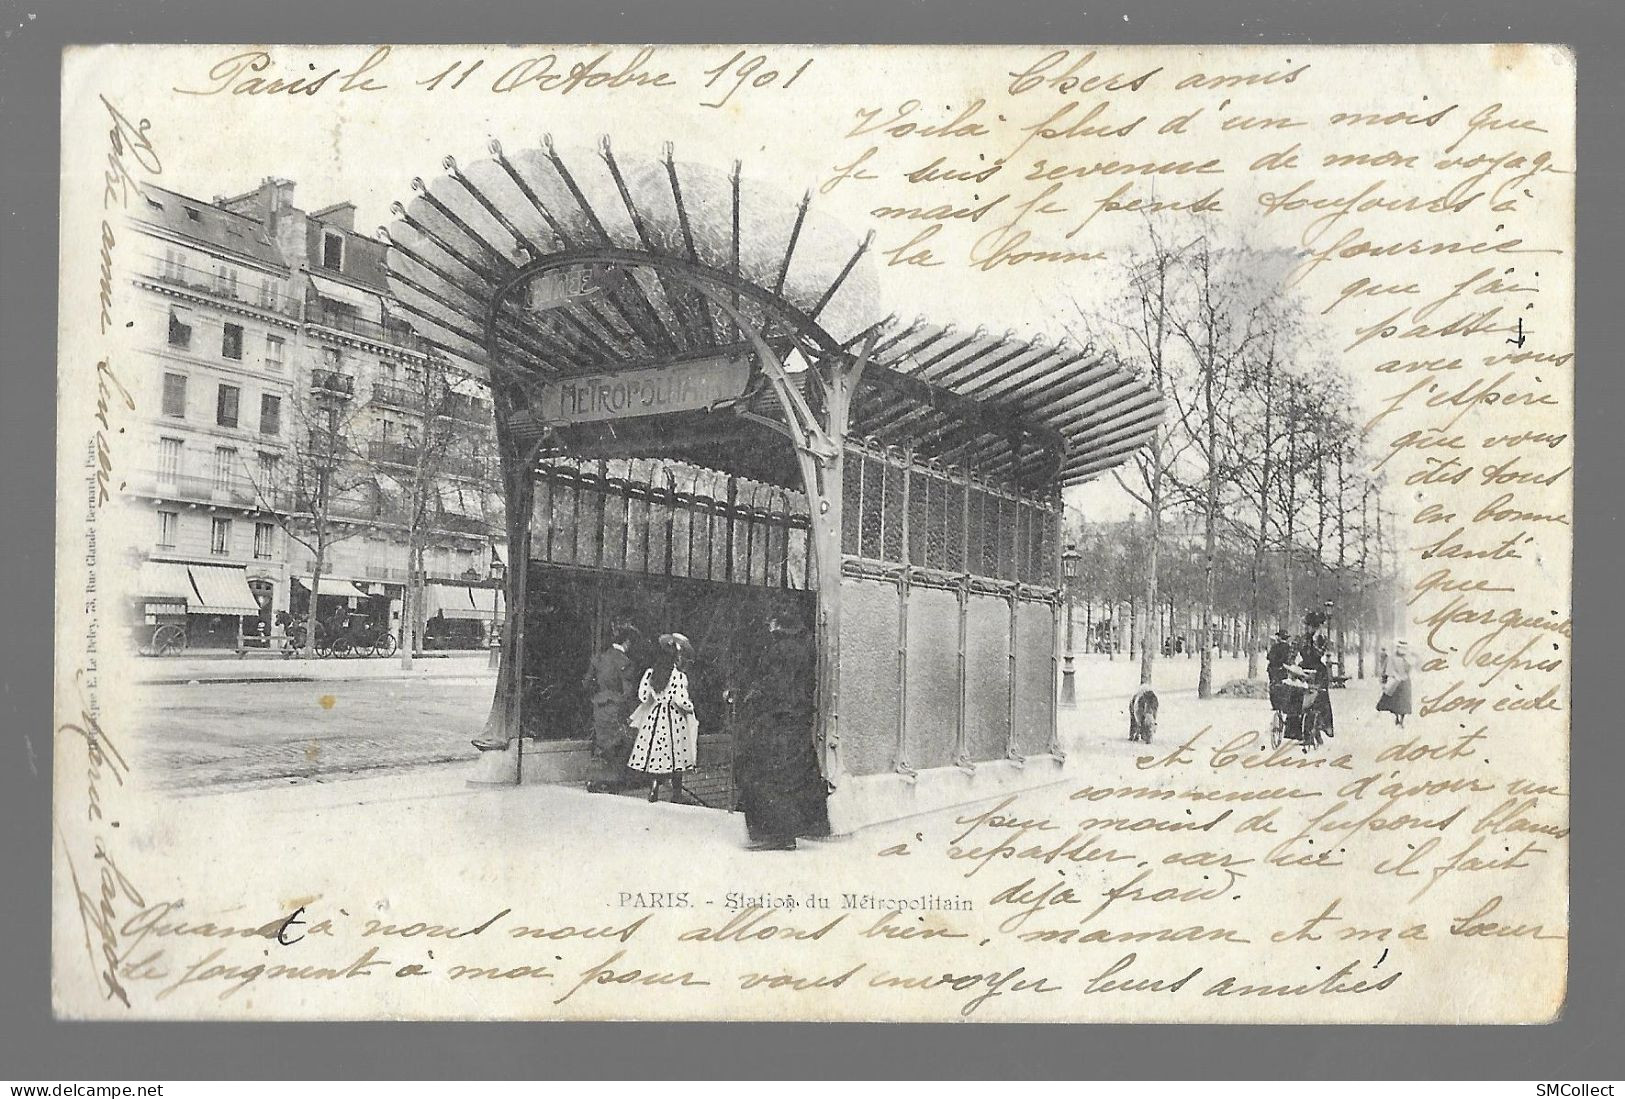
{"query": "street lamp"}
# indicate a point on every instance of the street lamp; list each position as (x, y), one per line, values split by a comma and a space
(499, 574)
(1069, 573)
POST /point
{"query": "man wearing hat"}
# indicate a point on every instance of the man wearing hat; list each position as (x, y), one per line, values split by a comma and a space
(1283, 699)
(612, 683)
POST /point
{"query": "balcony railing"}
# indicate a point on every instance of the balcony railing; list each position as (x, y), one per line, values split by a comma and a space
(473, 409)
(395, 396)
(202, 281)
(400, 454)
(195, 488)
(332, 381)
(457, 406)
(396, 335)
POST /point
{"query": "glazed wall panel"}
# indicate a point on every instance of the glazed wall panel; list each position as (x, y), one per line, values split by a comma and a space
(932, 731)
(868, 718)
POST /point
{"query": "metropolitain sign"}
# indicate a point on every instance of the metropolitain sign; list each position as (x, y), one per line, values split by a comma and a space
(679, 387)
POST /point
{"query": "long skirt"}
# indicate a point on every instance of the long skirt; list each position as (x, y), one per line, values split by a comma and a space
(666, 742)
(783, 794)
(1396, 699)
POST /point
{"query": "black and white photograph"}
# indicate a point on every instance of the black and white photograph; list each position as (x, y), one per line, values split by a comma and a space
(1006, 534)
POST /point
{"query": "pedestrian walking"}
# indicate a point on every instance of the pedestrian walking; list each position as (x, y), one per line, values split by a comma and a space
(783, 792)
(611, 683)
(1396, 685)
(668, 732)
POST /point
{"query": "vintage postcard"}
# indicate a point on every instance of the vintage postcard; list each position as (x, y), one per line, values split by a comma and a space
(1029, 533)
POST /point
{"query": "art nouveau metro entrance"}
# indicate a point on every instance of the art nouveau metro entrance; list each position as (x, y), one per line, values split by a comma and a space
(693, 371)
(667, 548)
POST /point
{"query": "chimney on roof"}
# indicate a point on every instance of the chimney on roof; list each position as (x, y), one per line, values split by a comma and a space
(340, 215)
(276, 196)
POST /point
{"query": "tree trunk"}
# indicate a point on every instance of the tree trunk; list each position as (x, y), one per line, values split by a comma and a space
(1204, 678)
(410, 599)
(1151, 634)
(318, 563)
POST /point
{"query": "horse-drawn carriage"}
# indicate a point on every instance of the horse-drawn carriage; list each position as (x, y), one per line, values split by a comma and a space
(347, 633)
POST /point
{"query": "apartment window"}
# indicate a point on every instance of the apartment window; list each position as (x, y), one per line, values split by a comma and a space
(333, 251)
(220, 538)
(264, 533)
(168, 523)
(270, 414)
(225, 405)
(175, 395)
(174, 265)
(273, 352)
(169, 460)
(192, 214)
(231, 341)
(225, 468)
(225, 280)
(180, 333)
(268, 294)
(331, 358)
(268, 468)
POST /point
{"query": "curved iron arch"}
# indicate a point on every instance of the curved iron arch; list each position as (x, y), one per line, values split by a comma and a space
(804, 323)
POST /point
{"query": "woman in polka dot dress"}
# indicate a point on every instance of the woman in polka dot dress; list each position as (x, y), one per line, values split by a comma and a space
(668, 733)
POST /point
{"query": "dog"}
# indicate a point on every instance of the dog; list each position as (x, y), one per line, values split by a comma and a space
(1142, 715)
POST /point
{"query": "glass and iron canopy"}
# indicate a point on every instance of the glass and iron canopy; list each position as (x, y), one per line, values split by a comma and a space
(579, 283)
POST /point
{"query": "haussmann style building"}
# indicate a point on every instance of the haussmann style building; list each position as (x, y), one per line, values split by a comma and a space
(272, 335)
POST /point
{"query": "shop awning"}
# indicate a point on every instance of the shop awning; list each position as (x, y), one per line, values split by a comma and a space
(331, 585)
(335, 290)
(222, 589)
(164, 581)
(462, 601)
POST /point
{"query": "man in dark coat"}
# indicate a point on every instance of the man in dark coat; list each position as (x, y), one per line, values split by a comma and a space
(783, 792)
(612, 684)
(1284, 700)
(1280, 654)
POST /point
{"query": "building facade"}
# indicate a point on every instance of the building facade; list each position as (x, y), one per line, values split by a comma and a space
(281, 392)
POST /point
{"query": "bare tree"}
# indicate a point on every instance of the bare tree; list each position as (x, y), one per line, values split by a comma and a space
(323, 490)
(1218, 330)
(425, 456)
(1260, 443)
(1152, 281)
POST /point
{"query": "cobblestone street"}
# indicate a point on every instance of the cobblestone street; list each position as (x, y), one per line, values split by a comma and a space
(203, 734)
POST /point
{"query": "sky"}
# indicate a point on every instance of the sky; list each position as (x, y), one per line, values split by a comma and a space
(366, 145)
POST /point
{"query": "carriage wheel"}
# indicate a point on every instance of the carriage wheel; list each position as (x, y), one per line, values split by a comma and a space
(1277, 728)
(324, 647)
(169, 640)
(342, 647)
(386, 645)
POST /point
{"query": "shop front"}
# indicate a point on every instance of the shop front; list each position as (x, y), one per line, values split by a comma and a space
(707, 419)
(182, 605)
(336, 595)
(460, 614)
